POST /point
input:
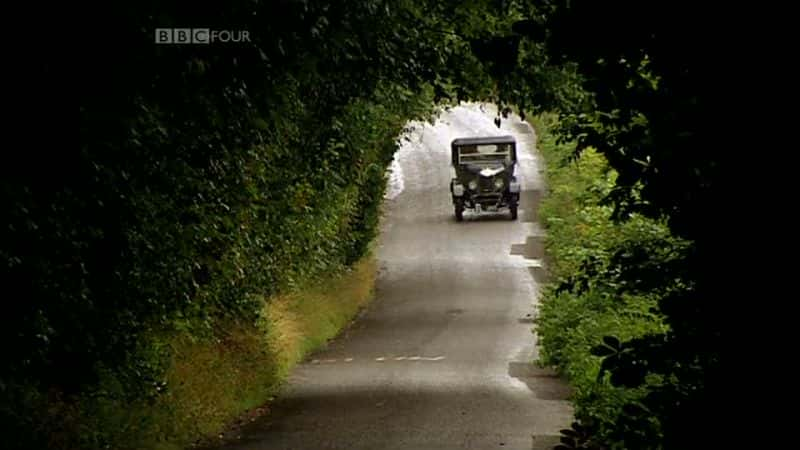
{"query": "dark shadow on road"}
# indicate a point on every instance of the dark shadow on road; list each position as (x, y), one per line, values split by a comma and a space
(344, 417)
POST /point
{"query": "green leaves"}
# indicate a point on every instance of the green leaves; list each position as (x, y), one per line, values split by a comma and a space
(607, 279)
(609, 347)
(500, 53)
(652, 110)
(577, 437)
(209, 178)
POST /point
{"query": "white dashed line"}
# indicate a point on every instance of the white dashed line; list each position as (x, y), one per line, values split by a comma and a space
(381, 359)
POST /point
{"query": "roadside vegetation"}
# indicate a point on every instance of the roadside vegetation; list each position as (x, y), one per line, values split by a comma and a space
(587, 299)
(185, 279)
(211, 384)
(642, 289)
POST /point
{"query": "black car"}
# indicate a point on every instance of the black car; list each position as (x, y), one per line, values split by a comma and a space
(484, 175)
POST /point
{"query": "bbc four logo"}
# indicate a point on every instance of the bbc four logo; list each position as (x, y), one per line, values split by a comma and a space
(199, 36)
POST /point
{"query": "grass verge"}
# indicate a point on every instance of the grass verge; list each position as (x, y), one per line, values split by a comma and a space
(210, 383)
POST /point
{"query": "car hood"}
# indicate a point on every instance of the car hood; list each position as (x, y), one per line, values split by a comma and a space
(491, 171)
(486, 171)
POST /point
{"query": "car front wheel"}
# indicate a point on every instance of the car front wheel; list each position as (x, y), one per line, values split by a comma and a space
(459, 209)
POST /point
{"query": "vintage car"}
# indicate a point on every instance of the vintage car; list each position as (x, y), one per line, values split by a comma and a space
(484, 175)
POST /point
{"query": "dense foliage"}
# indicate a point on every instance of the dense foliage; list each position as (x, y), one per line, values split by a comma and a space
(208, 178)
(651, 75)
(591, 296)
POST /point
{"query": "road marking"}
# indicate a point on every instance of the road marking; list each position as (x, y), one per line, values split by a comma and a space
(382, 359)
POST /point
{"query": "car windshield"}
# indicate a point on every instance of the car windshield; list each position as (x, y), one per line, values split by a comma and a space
(484, 153)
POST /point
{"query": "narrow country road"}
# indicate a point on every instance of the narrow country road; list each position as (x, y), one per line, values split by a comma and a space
(442, 357)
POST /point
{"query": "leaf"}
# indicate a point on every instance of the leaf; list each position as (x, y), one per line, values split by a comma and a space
(628, 376)
(602, 351)
(611, 341)
(608, 365)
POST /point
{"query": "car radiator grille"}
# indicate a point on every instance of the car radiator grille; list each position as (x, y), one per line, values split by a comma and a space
(485, 184)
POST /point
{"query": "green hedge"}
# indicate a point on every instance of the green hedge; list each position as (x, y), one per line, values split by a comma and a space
(587, 297)
(207, 179)
(169, 239)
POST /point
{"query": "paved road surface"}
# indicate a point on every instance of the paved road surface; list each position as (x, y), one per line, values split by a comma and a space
(441, 358)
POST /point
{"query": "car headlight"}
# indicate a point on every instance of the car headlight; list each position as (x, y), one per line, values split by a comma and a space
(498, 183)
(473, 185)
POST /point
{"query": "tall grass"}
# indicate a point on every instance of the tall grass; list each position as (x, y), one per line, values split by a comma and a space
(211, 382)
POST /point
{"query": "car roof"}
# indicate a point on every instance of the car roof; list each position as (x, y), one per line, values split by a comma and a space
(480, 140)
